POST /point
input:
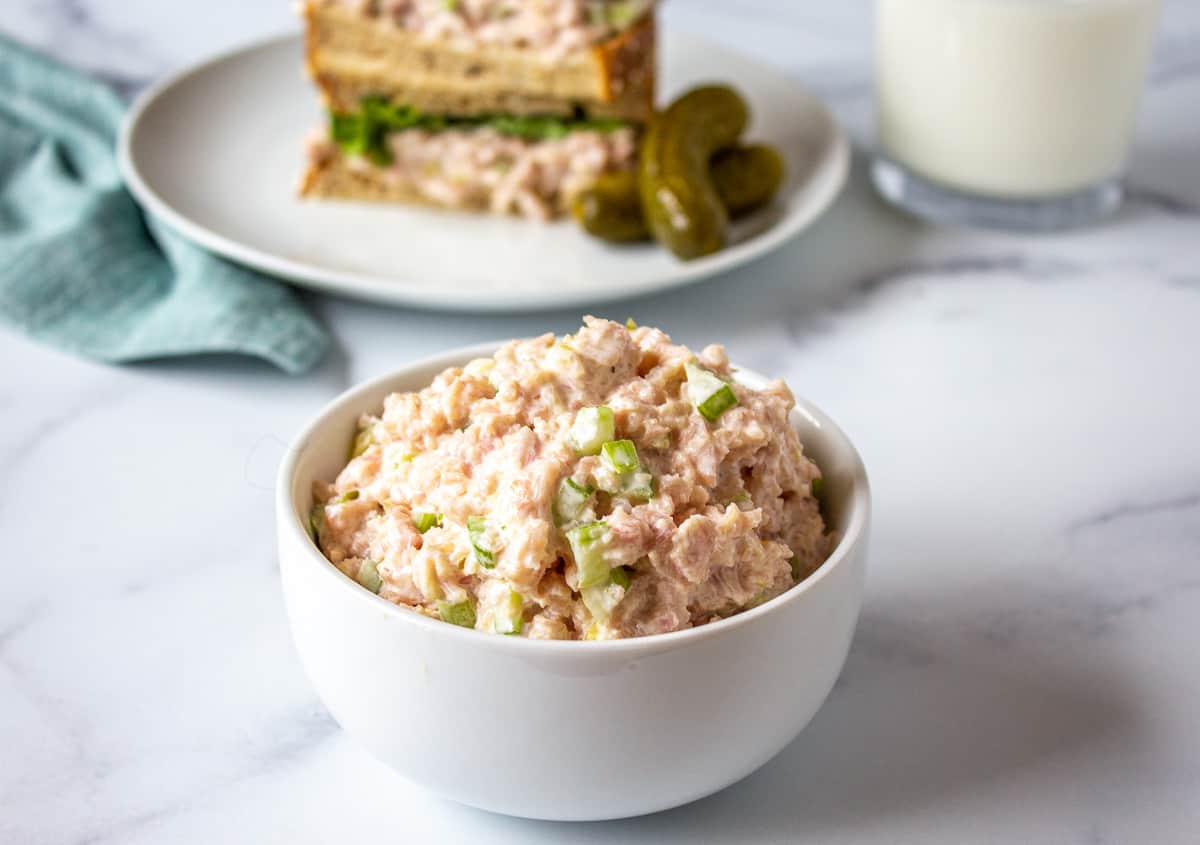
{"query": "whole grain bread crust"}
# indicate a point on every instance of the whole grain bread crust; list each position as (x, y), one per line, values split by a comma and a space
(332, 177)
(335, 176)
(350, 56)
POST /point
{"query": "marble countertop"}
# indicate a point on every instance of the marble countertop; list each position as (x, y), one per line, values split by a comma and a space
(1025, 669)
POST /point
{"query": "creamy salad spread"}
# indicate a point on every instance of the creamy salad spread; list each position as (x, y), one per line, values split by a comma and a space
(606, 484)
(482, 169)
(551, 27)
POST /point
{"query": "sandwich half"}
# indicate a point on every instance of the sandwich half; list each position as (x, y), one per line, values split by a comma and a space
(508, 106)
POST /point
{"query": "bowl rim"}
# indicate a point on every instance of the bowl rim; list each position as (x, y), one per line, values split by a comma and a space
(289, 520)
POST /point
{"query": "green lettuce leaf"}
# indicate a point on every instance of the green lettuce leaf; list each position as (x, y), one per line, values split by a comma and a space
(365, 132)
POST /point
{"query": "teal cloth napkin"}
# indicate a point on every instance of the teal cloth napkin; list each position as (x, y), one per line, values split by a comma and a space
(81, 269)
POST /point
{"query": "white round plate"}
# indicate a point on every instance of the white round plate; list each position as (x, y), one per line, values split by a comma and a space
(216, 152)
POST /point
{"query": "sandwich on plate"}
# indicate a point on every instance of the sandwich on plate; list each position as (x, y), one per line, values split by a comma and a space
(507, 106)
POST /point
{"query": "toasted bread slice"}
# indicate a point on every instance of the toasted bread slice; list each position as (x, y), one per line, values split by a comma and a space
(334, 177)
(340, 177)
(350, 56)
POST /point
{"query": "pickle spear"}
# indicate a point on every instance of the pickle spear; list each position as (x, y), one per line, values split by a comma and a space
(679, 199)
(611, 209)
(745, 178)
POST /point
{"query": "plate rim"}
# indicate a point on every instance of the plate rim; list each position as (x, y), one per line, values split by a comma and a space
(826, 183)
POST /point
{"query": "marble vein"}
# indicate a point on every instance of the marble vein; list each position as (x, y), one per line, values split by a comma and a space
(1026, 267)
(44, 427)
(21, 620)
(1137, 510)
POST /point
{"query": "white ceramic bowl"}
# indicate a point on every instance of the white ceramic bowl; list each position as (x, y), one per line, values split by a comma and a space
(567, 730)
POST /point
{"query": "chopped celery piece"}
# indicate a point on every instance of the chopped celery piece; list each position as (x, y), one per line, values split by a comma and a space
(425, 577)
(622, 458)
(717, 403)
(485, 555)
(362, 441)
(587, 547)
(593, 427)
(348, 496)
(621, 455)
(507, 619)
(759, 598)
(622, 13)
(596, 600)
(316, 517)
(638, 485)
(711, 396)
(818, 488)
(368, 575)
(633, 485)
(794, 562)
(571, 500)
(424, 520)
(457, 612)
(618, 14)
(600, 599)
(630, 324)
(620, 577)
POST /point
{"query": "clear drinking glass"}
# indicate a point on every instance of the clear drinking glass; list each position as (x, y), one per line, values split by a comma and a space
(1013, 114)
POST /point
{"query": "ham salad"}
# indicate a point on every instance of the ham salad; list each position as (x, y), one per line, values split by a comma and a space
(601, 485)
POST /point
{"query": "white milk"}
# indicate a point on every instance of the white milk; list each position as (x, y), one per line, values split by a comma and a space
(1011, 98)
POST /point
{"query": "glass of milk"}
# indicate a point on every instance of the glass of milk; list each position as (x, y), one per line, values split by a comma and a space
(1008, 113)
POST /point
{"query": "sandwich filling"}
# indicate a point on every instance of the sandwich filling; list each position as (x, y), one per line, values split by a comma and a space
(371, 131)
(531, 166)
(483, 168)
(551, 28)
